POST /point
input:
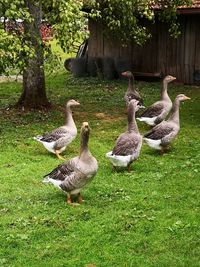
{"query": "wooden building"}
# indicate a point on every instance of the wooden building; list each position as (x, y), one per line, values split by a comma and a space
(161, 54)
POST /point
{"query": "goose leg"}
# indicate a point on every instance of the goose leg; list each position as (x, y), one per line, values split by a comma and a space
(129, 167)
(80, 199)
(69, 200)
(114, 169)
(58, 155)
(161, 151)
(164, 150)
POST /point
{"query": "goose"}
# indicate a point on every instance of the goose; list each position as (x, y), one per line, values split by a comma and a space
(132, 92)
(164, 133)
(158, 111)
(128, 145)
(56, 141)
(75, 173)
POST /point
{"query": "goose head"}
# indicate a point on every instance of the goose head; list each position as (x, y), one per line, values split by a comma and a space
(85, 127)
(169, 78)
(72, 102)
(182, 97)
(133, 104)
(127, 74)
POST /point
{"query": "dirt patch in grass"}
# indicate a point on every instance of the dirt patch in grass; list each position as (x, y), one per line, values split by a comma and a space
(107, 117)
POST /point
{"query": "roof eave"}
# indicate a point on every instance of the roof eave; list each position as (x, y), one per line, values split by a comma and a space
(188, 11)
(184, 11)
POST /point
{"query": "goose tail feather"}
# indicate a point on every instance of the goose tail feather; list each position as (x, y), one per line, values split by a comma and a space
(38, 138)
(56, 183)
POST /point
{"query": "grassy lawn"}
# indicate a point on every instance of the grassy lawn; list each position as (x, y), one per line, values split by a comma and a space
(149, 217)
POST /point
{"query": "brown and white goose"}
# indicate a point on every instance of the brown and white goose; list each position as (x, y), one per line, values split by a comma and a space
(129, 143)
(164, 133)
(132, 92)
(75, 173)
(159, 110)
(58, 139)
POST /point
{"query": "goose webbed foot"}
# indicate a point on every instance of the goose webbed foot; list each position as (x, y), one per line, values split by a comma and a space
(58, 155)
(69, 200)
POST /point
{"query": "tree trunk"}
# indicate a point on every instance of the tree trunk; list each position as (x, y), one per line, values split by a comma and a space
(34, 93)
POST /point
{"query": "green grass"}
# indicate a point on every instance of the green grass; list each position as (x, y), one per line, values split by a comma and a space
(58, 50)
(149, 217)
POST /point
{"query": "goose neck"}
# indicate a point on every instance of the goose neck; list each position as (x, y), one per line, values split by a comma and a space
(84, 143)
(68, 117)
(175, 112)
(164, 94)
(131, 83)
(132, 125)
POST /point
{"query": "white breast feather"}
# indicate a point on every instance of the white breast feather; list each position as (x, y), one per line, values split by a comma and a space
(117, 160)
(149, 121)
(153, 143)
(49, 146)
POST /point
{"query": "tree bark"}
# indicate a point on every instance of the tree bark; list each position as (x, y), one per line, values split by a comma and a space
(34, 92)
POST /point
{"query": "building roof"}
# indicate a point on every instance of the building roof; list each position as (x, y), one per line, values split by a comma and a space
(196, 4)
(194, 8)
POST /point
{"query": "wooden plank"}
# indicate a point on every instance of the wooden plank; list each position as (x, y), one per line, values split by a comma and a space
(197, 44)
(95, 44)
(150, 51)
(180, 52)
(136, 57)
(145, 57)
(111, 48)
(148, 74)
(187, 52)
(162, 47)
(189, 49)
(91, 38)
(125, 52)
(179, 57)
(100, 40)
(192, 48)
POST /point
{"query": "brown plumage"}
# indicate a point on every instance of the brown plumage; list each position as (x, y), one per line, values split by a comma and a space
(164, 133)
(128, 145)
(58, 139)
(158, 111)
(75, 173)
(132, 92)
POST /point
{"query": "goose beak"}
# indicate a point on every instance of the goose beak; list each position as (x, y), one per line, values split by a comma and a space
(142, 106)
(186, 98)
(77, 103)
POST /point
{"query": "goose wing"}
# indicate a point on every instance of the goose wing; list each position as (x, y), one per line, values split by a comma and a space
(160, 131)
(153, 111)
(125, 145)
(63, 170)
(70, 175)
(55, 135)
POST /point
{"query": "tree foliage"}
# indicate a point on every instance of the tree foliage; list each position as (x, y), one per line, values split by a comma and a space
(65, 17)
(124, 19)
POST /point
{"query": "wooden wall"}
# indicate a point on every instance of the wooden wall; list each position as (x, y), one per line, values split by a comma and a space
(179, 57)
